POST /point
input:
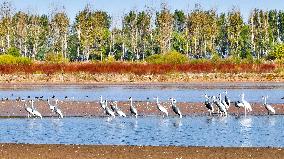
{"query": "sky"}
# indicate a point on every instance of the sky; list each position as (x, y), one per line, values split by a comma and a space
(116, 8)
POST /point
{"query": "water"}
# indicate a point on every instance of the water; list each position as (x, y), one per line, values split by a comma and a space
(182, 92)
(250, 131)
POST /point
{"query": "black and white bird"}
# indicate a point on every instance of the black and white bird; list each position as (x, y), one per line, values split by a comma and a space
(117, 110)
(220, 105)
(102, 103)
(227, 99)
(161, 108)
(208, 104)
(175, 108)
(133, 110)
(268, 107)
(109, 111)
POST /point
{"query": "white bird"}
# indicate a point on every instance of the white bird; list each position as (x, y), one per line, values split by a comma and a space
(175, 108)
(102, 103)
(133, 110)
(29, 110)
(34, 111)
(160, 107)
(208, 104)
(268, 107)
(118, 111)
(108, 110)
(51, 107)
(246, 104)
(57, 110)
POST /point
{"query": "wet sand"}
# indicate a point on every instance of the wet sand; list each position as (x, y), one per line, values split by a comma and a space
(24, 151)
(93, 109)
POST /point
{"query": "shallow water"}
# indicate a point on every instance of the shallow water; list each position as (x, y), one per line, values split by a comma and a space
(250, 131)
(182, 92)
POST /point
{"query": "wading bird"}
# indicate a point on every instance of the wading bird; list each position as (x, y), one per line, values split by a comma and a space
(133, 110)
(32, 110)
(268, 107)
(246, 104)
(117, 110)
(175, 108)
(208, 104)
(221, 106)
(161, 108)
(51, 107)
(227, 100)
(108, 110)
(102, 103)
(57, 110)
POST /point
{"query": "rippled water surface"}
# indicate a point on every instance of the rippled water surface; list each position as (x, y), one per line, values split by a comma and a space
(247, 131)
(182, 92)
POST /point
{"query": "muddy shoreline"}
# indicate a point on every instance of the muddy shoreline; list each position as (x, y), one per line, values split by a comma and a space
(27, 151)
(69, 108)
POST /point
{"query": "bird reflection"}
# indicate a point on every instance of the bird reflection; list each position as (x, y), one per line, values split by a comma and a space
(177, 123)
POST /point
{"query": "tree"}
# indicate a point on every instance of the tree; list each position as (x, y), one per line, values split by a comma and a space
(6, 23)
(235, 24)
(164, 24)
(59, 32)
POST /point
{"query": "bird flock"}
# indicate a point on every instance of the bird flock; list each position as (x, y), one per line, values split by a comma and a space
(223, 105)
(33, 112)
(219, 105)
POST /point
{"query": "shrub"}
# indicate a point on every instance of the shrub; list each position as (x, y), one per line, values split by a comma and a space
(9, 59)
(13, 51)
(52, 57)
(155, 59)
(175, 58)
(109, 59)
(277, 52)
(169, 58)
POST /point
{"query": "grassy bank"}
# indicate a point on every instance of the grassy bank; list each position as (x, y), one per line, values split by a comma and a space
(140, 72)
(140, 68)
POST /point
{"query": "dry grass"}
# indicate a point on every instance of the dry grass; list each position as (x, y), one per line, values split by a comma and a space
(138, 68)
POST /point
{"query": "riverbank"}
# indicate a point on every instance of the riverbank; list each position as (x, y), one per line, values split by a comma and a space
(87, 78)
(27, 151)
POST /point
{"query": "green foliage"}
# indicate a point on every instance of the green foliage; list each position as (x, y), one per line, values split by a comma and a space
(169, 58)
(277, 53)
(9, 59)
(52, 57)
(109, 59)
(175, 58)
(155, 59)
(13, 51)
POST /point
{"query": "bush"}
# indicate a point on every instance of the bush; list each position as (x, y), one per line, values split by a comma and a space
(169, 58)
(109, 59)
(52, 57)
(155, 59)
(13, 51)
(9, 59)
(175, 58)
(277, 52)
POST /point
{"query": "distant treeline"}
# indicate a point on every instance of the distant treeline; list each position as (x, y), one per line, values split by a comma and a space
(196, 34)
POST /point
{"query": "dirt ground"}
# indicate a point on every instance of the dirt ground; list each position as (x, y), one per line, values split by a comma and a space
(25, 151)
